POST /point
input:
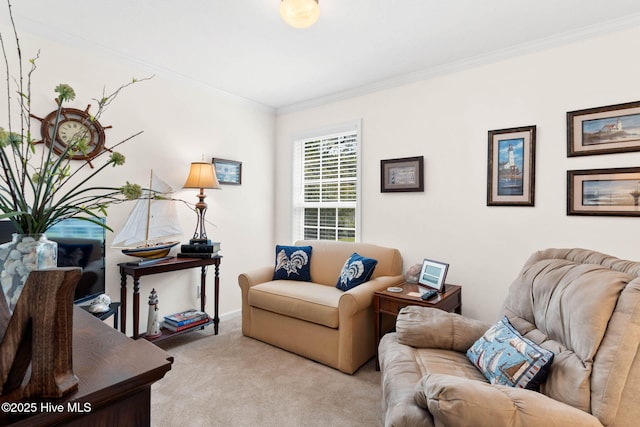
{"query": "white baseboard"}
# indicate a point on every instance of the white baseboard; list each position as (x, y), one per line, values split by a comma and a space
(231, 315)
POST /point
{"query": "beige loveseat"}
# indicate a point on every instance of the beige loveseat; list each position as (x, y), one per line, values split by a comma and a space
(582, 305)
(315, 319)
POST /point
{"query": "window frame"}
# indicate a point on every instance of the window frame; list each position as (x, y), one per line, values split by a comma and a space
(297, 182)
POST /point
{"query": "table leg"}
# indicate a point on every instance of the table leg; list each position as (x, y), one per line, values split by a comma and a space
(203, 288)
(377, 320)
(136, 308)
(123, 302)
(216, 291)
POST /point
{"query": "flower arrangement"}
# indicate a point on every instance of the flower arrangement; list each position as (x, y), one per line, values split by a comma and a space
(39, 187)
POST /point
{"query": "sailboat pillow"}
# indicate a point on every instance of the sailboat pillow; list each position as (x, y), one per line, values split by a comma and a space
(506, 357)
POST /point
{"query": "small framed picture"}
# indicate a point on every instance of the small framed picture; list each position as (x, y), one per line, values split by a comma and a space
(604, 130)
(402, 175)
(433, 274)
(511, 167)
(228, 171)
(608, 192)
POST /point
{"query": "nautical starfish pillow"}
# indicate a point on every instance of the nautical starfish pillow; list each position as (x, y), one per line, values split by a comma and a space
(356, 271)
(293, 263)
(506, 357)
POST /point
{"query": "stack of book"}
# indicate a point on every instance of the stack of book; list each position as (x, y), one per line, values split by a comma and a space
(185, 320)
(199, 249)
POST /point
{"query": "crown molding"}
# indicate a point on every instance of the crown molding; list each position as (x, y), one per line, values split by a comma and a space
(472, 62)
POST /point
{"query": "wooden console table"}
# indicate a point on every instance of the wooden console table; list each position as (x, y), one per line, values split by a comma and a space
(115, 375)
(171, 264)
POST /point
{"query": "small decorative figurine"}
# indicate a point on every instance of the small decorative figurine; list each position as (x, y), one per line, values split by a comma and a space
(153, 326)
(100, 304)
(412, 273)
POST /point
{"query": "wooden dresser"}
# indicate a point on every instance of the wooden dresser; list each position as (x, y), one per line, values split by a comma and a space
(115, 375)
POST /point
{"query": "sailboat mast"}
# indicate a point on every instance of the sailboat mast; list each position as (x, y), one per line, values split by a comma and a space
(146, 235)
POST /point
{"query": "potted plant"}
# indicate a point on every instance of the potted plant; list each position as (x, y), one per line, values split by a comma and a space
(39, 187)
(39, 184)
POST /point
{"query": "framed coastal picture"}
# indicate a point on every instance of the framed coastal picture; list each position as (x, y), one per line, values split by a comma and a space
(609, 192)
(228, 171)
(400, 175)
(511, 167)
(604, 130)
(433, 274)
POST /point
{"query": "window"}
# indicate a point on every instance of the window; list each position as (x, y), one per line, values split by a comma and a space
(326, 185)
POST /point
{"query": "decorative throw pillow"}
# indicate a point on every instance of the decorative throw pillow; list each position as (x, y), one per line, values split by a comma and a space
(506, 357)
(356, 271)
(293, 263)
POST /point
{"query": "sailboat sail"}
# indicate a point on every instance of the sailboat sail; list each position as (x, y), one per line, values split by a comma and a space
(150, 220)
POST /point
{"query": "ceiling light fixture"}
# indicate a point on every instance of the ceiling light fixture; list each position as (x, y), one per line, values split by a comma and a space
(300, 13)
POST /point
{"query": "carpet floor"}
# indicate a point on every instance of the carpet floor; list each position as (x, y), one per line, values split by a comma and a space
(231, 380)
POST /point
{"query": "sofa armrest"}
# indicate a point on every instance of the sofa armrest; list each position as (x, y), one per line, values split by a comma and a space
(427, 327)
(460, 401)
(361, 297)
(255, 277)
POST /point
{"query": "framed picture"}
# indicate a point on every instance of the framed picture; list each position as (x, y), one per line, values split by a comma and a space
(511, 167)
(604, 130)
(609, 192)
(401, 175)
(228, 171)
(433, 274)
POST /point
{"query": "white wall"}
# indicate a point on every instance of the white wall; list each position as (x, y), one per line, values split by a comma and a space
(182, 122)
(446, 119)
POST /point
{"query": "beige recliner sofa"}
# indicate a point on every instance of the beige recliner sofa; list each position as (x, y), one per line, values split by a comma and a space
(582, 305)
(315, 319)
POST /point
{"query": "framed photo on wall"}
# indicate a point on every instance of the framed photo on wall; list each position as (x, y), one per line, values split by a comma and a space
(609, 192)
(401, 175)
(511, 167)
(228, 171)
(604, 130)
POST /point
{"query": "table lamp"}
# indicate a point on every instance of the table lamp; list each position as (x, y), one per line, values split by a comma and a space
(201, 175)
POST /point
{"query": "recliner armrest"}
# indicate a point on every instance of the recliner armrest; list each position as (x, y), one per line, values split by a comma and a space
(426, 327)
(454, 401)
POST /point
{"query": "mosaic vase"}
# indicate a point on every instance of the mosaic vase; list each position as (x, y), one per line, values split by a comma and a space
(25, 253)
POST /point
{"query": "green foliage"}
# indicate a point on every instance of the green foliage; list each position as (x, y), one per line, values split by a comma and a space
(39, 188)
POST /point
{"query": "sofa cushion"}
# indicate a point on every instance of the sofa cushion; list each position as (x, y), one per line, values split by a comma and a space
(293, 263)
(301, 300)
(507, 358)
(329, 257)
(356, 270)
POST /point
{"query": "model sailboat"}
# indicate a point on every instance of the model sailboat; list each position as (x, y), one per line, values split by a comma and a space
(150, 224)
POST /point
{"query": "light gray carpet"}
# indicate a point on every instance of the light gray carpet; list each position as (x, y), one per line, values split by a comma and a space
(232, 380)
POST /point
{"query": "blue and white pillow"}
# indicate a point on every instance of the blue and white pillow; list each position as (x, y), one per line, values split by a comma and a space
(506, 357)
(293, 263)
(356, 271)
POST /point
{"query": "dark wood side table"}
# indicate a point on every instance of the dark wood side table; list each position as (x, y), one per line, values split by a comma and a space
(389, 303)
(115, 375)
(114, 308)
(171, 264)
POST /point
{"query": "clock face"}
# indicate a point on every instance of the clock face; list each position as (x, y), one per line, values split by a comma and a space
(72, 131)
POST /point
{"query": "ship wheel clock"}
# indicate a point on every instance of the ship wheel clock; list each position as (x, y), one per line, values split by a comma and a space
(74, 125)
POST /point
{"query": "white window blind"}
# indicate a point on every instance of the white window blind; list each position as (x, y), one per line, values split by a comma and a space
(326, 186)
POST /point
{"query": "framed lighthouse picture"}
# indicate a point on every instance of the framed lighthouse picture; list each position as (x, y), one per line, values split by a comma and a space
(511, 167)
(604, 130)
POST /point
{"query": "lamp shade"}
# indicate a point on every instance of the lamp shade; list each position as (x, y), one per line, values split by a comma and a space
(202, 175)
(300, 13)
